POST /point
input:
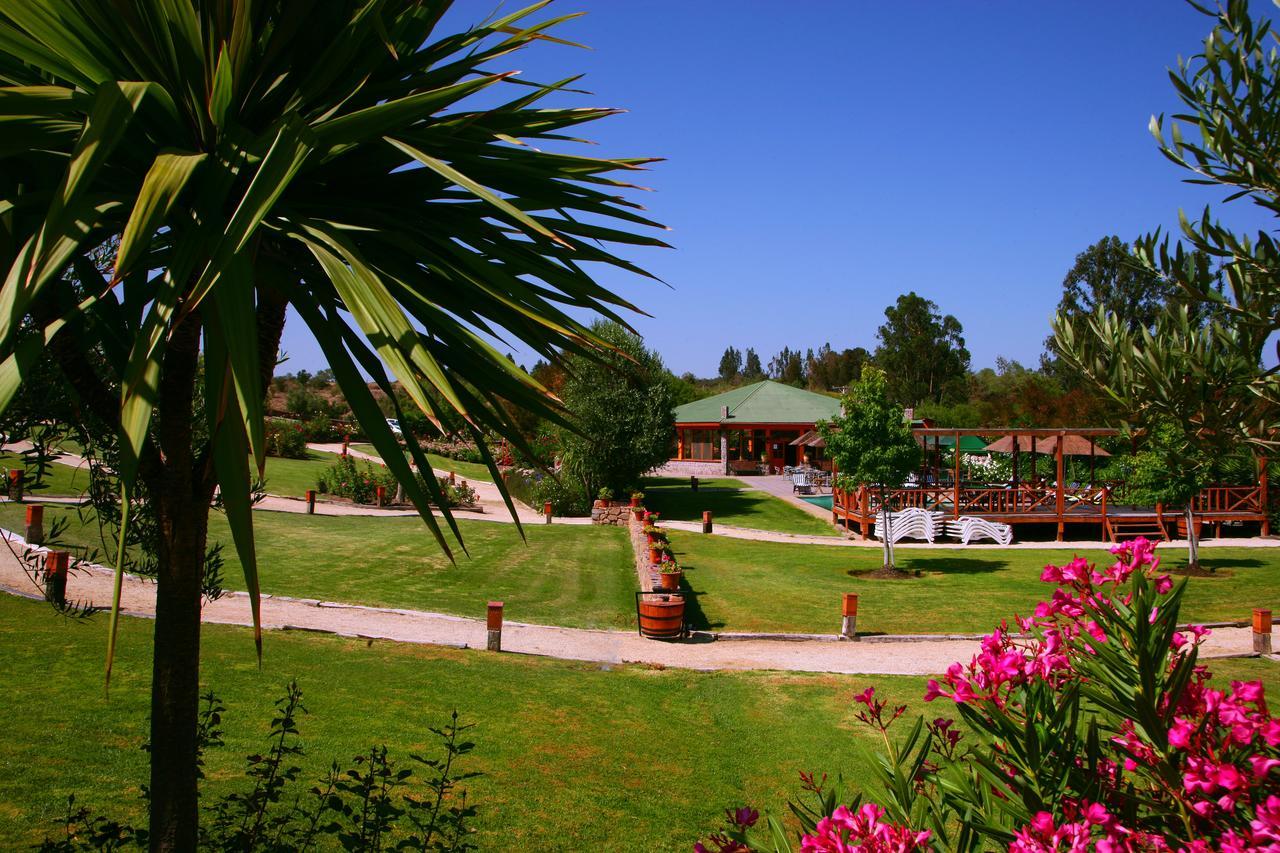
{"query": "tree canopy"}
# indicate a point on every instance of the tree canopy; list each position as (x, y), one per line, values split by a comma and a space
(921, 351)
(622, 419)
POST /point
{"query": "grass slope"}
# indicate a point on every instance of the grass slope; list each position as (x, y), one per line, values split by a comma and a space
(579, 576)
(466, 470)
(61, 480)
(576, 756)
(730, 502)
(292, 477)
(767, 586)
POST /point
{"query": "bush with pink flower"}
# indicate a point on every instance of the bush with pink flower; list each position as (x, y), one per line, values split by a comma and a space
(1090, 724)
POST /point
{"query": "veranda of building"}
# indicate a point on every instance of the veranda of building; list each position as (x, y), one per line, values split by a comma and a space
(749, 429)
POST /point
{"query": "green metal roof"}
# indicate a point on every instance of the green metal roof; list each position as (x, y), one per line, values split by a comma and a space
(764, 402)
(968, 443)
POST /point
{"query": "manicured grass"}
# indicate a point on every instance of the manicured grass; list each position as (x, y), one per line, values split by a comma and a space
(292, 477)
(60, 481)
(466, 470)
(766, 586)
(577, 576)
(575, 756)
(730, 502)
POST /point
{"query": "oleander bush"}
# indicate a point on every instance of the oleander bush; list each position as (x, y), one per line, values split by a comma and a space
(1091, 724)
(285, 439)
(358, 481)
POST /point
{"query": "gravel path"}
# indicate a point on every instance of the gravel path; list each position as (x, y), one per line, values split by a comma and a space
(873, 655)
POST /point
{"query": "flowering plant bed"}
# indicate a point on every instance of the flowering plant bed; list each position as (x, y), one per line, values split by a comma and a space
(1097, 728)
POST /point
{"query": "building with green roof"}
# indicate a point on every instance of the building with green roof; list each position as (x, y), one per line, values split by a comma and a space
(740, 430)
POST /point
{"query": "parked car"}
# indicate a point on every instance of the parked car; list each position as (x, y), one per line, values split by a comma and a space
(395, 427)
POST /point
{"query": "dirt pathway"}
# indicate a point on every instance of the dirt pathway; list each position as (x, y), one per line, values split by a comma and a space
(873, 655)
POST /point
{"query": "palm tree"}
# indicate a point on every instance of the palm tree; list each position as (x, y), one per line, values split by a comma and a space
(251, 157)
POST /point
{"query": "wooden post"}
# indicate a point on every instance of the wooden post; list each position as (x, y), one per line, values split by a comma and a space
(35, 524)
(693, 483)
(1262, 489)
(311, 502)
(346, 440)
(955, 501)
(493, 621)
(381, 492)
(453, 478)
(706, 521)
(1062, 501)
(864, 509)
(849, 616)
(55, 576)
(1016, 453)
(546, 511)
(1262, 632)
(15, 484)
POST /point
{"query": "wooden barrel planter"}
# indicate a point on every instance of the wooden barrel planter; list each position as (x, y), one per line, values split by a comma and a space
(661, 615)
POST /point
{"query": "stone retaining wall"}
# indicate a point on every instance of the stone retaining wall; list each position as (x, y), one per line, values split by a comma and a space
(611, 513)
(686, 468)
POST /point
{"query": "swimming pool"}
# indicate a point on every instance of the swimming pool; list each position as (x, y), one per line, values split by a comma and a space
(823, 501)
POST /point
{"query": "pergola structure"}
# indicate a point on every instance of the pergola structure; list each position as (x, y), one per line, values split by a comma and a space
(1032, 499)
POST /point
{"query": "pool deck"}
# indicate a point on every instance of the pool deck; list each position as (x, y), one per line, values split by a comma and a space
(780, 487)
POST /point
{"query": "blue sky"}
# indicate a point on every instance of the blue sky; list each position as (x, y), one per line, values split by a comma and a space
(824, 157)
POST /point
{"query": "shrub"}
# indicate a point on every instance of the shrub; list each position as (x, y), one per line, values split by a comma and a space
(321, 428)
(374, 804)
(285, 439)
(1099, 729)
(355, 480)
(358, 481)
(605, 494)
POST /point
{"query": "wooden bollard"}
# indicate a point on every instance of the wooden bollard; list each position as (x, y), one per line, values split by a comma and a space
(15, 484)
(706, 521)
(693, 483)
(55, 576)
(35, 524)
(546, 511)
(452, 478)
(493, 622)
(381, 492)
(311, 501)
(346, 441)
(849, 616)
(1262, 632)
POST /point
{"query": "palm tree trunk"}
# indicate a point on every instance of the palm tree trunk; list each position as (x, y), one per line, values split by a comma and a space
(175, 676)
(180, 495)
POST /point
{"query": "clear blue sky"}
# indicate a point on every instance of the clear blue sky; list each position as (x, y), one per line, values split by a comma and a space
(824, 157)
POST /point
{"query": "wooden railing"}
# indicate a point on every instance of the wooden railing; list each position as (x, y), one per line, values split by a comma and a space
(1241, 499)
(864, 502)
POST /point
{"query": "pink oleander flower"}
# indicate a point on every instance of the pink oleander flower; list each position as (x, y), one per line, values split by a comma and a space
(864, 831)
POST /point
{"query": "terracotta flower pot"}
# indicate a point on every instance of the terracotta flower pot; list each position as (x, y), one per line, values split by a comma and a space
(671, 580)
(654, 556)
(635, 502)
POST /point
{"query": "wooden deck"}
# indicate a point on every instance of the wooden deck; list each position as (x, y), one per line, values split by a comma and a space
(1048, 505)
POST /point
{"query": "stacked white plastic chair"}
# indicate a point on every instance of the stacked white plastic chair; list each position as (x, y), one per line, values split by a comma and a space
(966, 528)
(913, 523)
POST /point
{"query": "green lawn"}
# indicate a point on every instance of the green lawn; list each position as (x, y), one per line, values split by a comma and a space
(61, 480)
(576, 756)
(578, 576)
(292, 477)
(767, 586)
(730, 502)
(466, 470)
